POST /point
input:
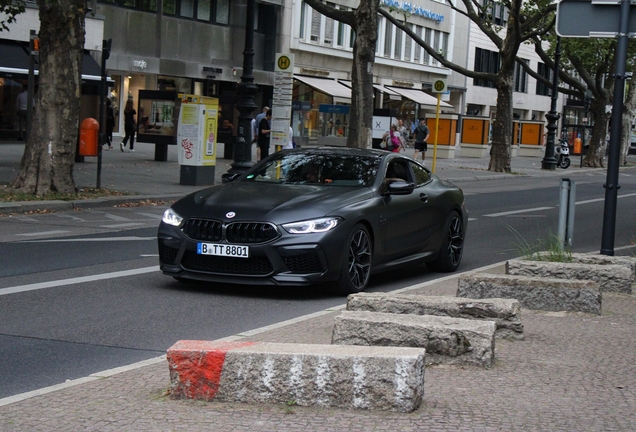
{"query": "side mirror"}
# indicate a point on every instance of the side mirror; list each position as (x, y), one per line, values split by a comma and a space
(226, 178)
(399, 187)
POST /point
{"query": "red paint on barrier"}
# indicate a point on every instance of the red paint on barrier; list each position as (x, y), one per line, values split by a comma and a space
(196, 367)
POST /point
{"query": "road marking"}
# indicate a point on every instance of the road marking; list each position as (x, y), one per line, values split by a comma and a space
(603, 199)
(43, 233)
(131, 224)
(68, 216)
(115, 217)
(148, 255)
(527, 216)
(518, 211)
(151, 215)
(105, 239)
(472, 219)
(77, 280)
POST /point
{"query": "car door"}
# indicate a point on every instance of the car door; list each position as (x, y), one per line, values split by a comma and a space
(403, 213)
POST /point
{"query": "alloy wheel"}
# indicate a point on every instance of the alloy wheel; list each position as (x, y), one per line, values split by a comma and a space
(455, 241)
(359, 259)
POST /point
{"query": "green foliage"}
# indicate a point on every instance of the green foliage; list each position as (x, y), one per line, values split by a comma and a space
(10, 8)
(546, 249)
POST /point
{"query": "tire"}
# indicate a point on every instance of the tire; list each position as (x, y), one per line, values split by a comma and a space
(452, 247)
(356, 265)
(565, 162)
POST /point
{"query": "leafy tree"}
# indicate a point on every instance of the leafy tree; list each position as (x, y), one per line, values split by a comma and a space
(49, 154)
(526, 20)
(9, 9)
(363, 20)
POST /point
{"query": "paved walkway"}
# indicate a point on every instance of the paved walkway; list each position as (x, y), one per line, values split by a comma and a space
(574, 371)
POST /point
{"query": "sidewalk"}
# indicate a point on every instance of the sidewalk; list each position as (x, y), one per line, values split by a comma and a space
(140, 175)
(573, 372)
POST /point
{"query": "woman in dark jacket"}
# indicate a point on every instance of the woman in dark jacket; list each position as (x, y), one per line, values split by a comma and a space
(129, 126)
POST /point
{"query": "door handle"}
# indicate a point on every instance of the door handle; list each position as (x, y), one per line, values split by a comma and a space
(423, 197)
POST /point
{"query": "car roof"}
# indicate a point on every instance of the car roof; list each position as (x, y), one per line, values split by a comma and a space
(344, 151)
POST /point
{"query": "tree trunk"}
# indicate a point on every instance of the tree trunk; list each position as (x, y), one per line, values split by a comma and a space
(502, 127)
(596, 151)
(360, 122)
(49, 155)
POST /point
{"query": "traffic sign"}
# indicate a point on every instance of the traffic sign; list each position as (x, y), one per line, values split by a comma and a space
(584, 18)
(439, 86)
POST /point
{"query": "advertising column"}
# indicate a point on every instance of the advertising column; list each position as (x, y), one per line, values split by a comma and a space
(196, 139)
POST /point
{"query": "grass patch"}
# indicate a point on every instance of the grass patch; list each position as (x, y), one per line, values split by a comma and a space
(8, 195)
(547, 249)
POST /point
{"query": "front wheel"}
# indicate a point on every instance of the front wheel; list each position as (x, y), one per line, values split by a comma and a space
(565, 162)
(452, 247)
(356, 265)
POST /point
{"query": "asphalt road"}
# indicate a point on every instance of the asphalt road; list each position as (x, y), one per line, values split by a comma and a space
(124, 310)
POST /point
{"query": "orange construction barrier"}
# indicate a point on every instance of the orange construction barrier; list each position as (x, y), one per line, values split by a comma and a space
(89, 137)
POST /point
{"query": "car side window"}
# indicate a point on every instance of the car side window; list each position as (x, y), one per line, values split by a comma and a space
(421, 175)
(398, 171)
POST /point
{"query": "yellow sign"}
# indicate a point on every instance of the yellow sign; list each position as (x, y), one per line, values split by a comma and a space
(439, 86)
(284, 62)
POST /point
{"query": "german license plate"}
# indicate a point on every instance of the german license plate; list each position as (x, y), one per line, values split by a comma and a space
(223, 250)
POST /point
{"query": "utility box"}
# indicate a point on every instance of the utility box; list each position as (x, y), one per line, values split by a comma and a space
(89, 137)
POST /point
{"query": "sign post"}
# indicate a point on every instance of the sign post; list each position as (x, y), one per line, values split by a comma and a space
(602, 18)
(282, 100)
(439, 87)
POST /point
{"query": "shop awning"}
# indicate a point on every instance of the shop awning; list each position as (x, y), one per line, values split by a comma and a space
(420, 97)
(390, 93)
(14, 60)
(331, 87)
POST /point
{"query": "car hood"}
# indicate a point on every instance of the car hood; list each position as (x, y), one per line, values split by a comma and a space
(272, 202)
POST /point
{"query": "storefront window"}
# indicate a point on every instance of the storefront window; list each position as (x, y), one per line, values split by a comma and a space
(149, 5)
(169, 7)
(223, 12)
(115, 101)
(9, 90)
(203, 10)
(186, 8)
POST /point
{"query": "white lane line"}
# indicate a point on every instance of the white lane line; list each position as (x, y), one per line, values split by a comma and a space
(43, 233)
(518, 211)
(472, 219)
(151, 215)
(77, 280)
(105, 239)
(115, 217)
(123, 225)
(603, 199)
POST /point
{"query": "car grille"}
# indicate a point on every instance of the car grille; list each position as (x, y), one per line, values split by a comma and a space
(226, 265)
(305, 263)
(235, 232)
(167, 254)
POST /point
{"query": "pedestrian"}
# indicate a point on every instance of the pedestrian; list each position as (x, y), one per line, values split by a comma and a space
(290, 140)
(21, 105)
(264, 130)
(255, 124)
(110, 123)
(129, 126)
(404, 133)
(421, 134)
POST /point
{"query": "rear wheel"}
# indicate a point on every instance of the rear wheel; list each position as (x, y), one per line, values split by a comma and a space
(356, 266)
(565, 162)
(452, 247)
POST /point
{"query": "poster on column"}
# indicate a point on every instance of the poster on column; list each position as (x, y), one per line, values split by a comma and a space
(197, 131)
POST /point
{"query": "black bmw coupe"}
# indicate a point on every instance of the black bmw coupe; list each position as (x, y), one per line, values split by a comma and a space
(329, 216)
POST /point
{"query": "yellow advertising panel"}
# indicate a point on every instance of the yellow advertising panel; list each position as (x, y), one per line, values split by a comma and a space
(197, 132)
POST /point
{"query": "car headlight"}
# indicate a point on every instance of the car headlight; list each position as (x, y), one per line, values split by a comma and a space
(171, 217)
(312, 226)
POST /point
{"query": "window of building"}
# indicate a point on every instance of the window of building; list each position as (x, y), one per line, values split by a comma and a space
(436, 44)
(213, 11)
(397, 48)
(329, 27)
(341, 33)
(486, 61)
(316, 24)
(303, 11)
(388, 38)
(547, 73)
(408, 44)
(417, 52)
(521, 78)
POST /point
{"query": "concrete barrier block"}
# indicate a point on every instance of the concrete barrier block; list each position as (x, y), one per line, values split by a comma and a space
(541, 293)
(610, 277)
(446, 340)
(362, 377)
(504, 312)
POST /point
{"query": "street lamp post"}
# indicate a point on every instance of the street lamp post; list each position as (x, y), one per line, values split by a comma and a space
(549, 162)
(246, 106)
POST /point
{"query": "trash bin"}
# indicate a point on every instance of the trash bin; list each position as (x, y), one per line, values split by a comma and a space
(89, 137)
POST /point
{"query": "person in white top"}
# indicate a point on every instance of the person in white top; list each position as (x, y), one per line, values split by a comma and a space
(21, 105)
(290, 141)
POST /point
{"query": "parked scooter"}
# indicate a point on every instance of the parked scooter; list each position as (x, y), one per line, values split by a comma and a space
(562, 153)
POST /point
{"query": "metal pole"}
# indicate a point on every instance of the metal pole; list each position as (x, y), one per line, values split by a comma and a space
(102, 110)
(549, 162)
(31, 85)
(611, 184)
(246, 106)
(563, 212)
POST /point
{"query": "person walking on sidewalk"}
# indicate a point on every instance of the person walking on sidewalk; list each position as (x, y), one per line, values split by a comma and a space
(421, 134)
(264, 130)
(129, 126)
(21, 106)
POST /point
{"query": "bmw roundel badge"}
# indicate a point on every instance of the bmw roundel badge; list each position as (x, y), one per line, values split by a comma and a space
(230, 215)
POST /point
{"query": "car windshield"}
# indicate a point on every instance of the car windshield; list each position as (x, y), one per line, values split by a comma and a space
(317, 169)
